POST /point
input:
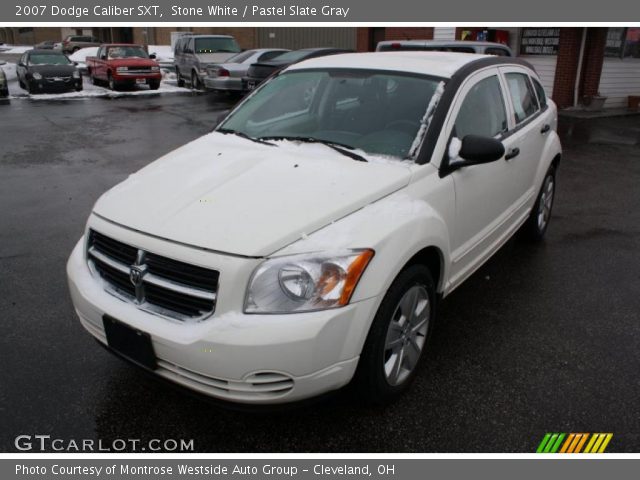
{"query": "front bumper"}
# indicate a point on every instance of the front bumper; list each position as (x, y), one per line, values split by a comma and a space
(53, 86)
(133, 78)
(252, 359)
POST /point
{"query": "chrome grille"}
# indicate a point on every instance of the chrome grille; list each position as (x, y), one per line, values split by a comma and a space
(152, 282)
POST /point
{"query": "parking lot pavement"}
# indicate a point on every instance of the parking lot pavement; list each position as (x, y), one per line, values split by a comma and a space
(542, 338)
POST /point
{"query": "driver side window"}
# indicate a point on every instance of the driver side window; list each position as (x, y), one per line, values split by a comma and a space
(483, 111)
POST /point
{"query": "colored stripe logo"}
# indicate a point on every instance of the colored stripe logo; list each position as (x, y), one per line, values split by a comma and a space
(574, 443)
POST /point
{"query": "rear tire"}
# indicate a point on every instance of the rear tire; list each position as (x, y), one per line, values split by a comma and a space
(398, 337)
(180, 79)
(536, 225)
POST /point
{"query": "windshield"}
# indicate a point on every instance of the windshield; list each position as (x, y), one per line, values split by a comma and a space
(374, 111)
(127, 52)
(213, 45)
(48, 60)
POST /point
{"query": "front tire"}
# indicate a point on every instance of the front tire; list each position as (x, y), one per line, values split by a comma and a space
(195, 81)
(536, 225)
(398, 337)
(154, 84)
(113, 85)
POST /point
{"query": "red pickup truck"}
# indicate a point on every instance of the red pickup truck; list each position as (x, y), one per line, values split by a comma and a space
(124, 64)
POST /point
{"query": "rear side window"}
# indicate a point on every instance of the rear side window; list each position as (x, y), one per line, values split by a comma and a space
(542, 96)
(500, 52)
(523, 97)
(265, 57)
(483, 111)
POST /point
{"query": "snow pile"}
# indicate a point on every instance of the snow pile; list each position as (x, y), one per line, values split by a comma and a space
(82, 54)
(15, 48)
(164, 53)
(10, 71)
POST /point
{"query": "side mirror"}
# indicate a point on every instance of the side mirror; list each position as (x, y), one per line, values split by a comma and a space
(152, 56)
(476, 149)
(103, 57)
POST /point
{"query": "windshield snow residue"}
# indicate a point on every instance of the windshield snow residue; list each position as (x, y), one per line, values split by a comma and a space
(426, 120)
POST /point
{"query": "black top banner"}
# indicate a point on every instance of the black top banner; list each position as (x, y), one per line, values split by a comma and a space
(240, 11)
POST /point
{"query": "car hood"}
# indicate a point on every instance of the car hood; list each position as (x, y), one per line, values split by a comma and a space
(133, 61)
(53, 70)
(232, 195)
(218, 57)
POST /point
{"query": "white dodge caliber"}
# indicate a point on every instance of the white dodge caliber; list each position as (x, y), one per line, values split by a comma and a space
(305, 243)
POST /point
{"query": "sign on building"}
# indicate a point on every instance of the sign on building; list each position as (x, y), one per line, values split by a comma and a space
(539, 41)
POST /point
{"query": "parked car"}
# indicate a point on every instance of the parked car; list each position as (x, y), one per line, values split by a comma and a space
(305, 243)
(73, 43)
(46, 45)
(227, 77)
(4, 86)
(192, 54)
(124, 65)
(258, 72)
(47, 71)
(463, 46)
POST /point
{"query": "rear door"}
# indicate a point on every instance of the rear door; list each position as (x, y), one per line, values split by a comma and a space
(531, 127)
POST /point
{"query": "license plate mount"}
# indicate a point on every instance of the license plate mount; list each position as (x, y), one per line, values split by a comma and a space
(129, 342)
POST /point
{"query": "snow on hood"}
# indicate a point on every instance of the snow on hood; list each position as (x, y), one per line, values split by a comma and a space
(232, 195)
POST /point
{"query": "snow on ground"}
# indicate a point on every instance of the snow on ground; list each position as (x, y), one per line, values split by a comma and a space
(164, 53)
(89, 90)
(15, 48)
(10, 71)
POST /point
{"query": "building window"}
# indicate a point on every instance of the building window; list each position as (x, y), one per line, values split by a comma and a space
(623, 42)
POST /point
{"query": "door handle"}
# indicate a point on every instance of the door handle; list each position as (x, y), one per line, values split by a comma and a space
(545, 129)
(514, 152)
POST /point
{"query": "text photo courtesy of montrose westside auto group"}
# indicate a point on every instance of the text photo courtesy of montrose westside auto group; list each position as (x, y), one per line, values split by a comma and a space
(320, 239)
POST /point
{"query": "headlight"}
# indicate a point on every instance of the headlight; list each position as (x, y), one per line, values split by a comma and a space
(76, 74)
(155, 69)
(36, 76)
(122, 69)
(303, 283)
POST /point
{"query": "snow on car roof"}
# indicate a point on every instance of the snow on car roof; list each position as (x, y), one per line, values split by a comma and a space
(439, 64)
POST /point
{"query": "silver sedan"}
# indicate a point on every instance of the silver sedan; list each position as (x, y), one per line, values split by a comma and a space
(227, 76)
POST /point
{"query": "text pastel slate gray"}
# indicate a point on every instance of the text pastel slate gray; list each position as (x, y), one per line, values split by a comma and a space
(158, 11)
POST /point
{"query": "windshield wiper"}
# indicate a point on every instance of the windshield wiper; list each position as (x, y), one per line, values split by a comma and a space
(338, 147)
(231, 131)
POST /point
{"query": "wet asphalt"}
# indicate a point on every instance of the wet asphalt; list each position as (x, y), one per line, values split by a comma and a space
(543, 338)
